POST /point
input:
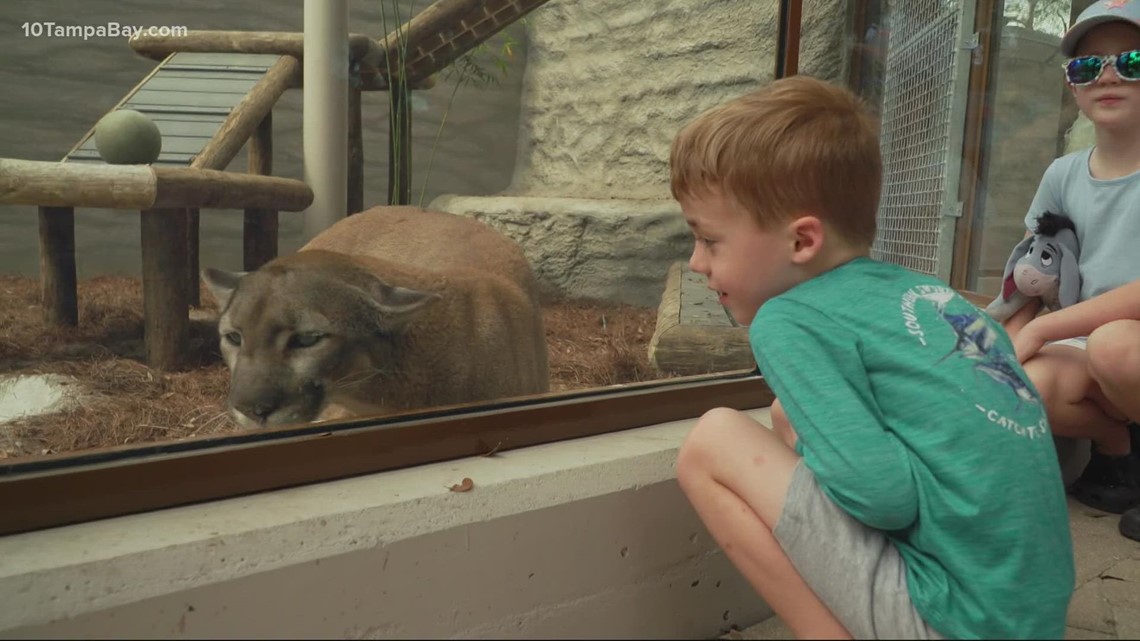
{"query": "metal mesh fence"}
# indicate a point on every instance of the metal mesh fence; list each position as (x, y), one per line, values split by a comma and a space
(917, 131)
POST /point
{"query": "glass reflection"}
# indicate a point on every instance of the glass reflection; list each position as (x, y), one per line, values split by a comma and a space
(542, 135)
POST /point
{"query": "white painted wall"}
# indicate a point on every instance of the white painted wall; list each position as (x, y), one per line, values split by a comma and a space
(587, 538)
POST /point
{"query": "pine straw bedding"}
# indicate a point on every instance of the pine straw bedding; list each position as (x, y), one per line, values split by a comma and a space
(590, 345)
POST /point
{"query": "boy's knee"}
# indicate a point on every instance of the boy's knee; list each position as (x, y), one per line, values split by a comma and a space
(706, 437)
(1114, 353)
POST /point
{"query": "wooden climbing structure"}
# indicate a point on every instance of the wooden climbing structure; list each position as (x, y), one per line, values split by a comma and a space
(212, 93)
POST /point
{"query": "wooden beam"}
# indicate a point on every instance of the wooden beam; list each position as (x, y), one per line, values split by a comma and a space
(444, 31)
(137, 187)
(355, 153)
(974, 153)
(260, 230)
(193, 286)
(247, 115)
(54, 184)
(788, 39)
(360, 46)
(58, 291)
(166, 308)
(206, 188)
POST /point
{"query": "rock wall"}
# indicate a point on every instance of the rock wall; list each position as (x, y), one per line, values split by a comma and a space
(608, 84)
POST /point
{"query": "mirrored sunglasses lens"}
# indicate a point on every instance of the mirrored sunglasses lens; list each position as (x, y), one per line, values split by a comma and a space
(1083, 70)
(1128, 65)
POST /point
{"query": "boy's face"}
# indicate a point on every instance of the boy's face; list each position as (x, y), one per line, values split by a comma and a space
(745, 264)
(1110, 101)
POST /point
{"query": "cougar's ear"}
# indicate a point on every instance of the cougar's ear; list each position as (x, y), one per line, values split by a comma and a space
(397, 306)
(222, 284)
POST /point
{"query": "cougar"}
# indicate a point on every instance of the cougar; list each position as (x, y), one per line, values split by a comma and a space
(390, 309)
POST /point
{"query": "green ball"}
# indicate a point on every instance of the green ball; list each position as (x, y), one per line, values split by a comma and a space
(127, 137)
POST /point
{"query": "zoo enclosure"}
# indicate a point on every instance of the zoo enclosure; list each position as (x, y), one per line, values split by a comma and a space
(192, 176)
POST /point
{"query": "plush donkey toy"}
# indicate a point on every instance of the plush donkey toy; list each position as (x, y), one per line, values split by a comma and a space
(1043, 265)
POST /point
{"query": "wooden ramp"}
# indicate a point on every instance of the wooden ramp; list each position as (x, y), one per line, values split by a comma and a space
(206, 106)
(189, 96)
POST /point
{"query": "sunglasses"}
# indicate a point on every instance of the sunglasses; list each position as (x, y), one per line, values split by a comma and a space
(1085, 70)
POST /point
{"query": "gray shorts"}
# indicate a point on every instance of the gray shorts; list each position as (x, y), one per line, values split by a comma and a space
(856, 572)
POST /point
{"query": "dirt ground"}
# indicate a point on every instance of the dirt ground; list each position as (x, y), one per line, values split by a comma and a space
(590, 345)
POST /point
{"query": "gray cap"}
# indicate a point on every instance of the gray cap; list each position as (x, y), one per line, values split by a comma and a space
(1099, 12)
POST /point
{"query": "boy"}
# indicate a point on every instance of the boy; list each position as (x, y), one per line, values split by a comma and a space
(1087, 391)
(922, 496)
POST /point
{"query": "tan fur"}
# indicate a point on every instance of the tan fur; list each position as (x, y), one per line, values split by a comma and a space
(414, 309)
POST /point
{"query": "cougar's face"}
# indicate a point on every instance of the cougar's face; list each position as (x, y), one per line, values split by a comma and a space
(287, 358)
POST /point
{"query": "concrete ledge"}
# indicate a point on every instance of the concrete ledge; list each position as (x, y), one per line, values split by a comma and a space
(603, 249)
(586, 538)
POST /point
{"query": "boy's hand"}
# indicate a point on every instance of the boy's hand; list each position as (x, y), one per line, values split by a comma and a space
(1028, 341)
(781, 426)
(1021, 318)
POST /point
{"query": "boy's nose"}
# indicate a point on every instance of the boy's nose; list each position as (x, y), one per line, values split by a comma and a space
(697, 262)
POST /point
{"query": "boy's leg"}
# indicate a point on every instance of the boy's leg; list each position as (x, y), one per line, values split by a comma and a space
(1061, 374)
(1114, 363)
(766, 510)
(1077, 408)
(736, 473)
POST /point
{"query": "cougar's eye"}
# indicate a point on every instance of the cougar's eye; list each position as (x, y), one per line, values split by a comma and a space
(305, 339)
(233, 338)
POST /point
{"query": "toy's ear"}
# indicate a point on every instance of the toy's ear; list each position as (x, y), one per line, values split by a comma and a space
(1008, 287)
(1070, 276)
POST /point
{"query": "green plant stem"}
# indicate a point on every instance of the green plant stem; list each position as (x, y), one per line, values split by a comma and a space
(435, 143)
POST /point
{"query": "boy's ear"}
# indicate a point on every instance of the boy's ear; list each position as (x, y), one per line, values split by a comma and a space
(807, 237)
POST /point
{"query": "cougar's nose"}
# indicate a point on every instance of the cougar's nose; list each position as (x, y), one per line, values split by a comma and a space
(259, 410)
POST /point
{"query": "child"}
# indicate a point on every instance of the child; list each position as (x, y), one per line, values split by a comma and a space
(1087, 393)
(922, 497)
(1112, 323)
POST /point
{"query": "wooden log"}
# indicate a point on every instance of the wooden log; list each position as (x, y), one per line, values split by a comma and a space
(58, 291)
(399, 147)
(355, 153)
(360, 46)
(178, 187)
(54, 184)
(689, 348)
(193, 242)
(445, 30)
(260, 230)
(166, 310)
(247, 115)
(438, 18)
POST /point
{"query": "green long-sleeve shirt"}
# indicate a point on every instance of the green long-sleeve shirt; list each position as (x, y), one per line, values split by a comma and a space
(915, 417)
